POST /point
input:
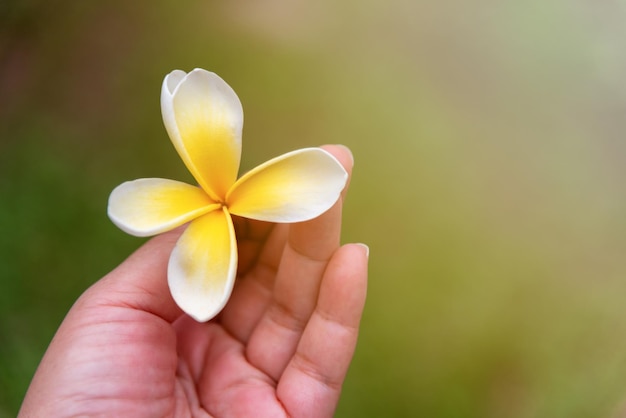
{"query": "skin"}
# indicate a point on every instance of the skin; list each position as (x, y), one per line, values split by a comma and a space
(280, 348)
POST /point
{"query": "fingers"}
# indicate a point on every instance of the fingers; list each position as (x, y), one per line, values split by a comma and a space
(140, 282)
(252, 294)
(309, 247)
(311, 384)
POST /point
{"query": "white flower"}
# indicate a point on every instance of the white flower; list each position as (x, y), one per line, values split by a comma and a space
(204, 119)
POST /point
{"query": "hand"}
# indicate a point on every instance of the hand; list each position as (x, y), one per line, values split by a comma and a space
(281, 346)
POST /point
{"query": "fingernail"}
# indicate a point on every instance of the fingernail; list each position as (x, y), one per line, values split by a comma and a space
(367, 249)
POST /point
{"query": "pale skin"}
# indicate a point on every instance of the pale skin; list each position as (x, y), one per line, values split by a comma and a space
(280, 348)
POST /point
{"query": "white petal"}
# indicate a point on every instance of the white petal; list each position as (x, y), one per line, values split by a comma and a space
(170, 82)
(203, 265)
(204, 119)
(294, 187)
(147, 207)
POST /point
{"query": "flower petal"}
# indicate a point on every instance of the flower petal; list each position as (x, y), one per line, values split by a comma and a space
(294, 187)
(147, 207)
(204, 119)
(170, 82)
(203, 265)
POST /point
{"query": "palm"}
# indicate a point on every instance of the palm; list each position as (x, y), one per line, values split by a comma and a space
(187, 369)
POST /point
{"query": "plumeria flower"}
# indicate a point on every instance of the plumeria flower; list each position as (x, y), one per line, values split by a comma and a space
(204, 119)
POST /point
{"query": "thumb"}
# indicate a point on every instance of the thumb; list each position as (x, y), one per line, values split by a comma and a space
(140, 282)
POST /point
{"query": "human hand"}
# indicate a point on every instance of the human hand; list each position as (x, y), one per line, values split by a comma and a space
(281, 346)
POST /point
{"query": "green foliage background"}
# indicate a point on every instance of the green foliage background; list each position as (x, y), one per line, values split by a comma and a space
(490, 154)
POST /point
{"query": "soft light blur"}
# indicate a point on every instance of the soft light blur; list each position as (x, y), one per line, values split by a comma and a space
(490, 151)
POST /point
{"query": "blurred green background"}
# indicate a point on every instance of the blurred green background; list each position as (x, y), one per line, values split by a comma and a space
(490, 145)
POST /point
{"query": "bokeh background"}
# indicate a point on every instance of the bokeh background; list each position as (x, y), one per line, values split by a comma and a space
(490, 145)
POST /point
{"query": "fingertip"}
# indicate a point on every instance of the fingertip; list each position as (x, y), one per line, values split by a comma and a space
(365, 248)
(345, 282)
(359, 264)
(341, 153)
(354, 257)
